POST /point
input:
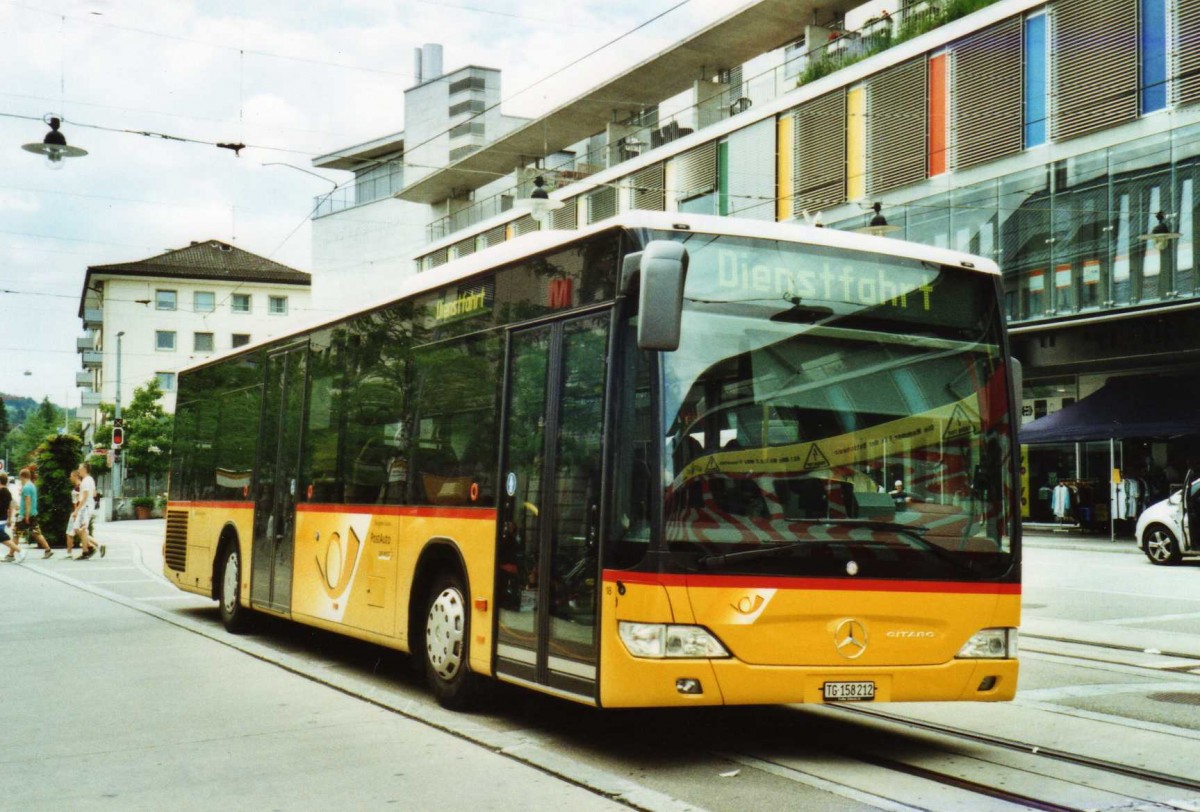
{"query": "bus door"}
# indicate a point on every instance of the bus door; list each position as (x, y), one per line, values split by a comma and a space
(276, 481)
(549, 513)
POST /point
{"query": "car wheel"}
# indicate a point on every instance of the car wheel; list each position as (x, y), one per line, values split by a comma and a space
(1160, 545)
(447, 636)
(235, 616)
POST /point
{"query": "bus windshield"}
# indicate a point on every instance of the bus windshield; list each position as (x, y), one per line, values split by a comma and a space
(835, 413)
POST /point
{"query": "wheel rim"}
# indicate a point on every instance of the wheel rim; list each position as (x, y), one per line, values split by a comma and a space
(445, 632)
(229, 584)
(1159, 545)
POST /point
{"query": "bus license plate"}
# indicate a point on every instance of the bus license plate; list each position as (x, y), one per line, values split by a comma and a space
(849, 691)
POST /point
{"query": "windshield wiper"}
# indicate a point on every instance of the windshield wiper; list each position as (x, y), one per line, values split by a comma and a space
(913, 532)
(712, 562)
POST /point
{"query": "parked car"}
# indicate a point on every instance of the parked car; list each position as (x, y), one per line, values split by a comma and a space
(1170, 529)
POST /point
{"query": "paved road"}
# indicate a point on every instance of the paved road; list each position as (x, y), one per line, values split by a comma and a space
(112, 709)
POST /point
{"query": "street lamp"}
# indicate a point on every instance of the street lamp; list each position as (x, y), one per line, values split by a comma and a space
(539, 202)
(117, 466)
(879, 225)
(54, 145)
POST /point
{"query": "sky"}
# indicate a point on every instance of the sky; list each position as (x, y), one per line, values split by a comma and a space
(290, 80)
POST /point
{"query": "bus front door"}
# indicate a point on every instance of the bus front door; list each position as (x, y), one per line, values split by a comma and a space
(275, 486)
(550, 508)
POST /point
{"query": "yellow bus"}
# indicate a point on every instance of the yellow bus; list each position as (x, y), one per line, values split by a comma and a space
(665, 460)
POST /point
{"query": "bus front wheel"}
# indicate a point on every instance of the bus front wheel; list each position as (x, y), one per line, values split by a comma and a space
(447, 634)
(235, 616)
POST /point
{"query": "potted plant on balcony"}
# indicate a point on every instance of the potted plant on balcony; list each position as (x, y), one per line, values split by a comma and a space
(142, 506)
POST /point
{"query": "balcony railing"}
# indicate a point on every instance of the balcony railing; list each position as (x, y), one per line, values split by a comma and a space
(92, 359)
(843, 49)
(85, 379)
(93, 318)
(90, 399)
(365, 189)
(85, 343)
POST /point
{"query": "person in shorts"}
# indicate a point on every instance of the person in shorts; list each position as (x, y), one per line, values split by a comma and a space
(84, 512)
(27, 513)
(8, 510)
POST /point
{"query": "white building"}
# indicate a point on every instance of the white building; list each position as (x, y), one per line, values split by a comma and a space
(363, 238)
(174, 309)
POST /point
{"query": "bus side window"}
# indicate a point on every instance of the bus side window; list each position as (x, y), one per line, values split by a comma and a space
(454, 451)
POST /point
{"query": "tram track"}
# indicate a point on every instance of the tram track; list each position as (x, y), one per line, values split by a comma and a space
(1077, 759)
(916, 764)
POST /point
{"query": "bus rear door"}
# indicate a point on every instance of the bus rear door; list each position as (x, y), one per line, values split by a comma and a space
(276, 483)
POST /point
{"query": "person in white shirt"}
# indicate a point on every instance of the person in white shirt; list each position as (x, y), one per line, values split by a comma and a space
(84, 513)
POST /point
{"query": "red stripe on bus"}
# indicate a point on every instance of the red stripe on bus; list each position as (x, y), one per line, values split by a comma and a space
(397, 510)
(203, 504)
(810, 584)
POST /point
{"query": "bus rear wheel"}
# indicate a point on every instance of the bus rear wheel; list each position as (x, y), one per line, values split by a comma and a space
(447, 635)
(235, 616)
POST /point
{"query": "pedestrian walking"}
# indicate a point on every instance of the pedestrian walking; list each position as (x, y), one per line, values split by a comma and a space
(70, 535)
(84, 512)
(8, 511)
(27, 512)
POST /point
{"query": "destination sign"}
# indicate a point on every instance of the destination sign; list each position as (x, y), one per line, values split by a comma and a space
(827, 280)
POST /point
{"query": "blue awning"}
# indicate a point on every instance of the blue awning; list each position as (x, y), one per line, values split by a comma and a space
(1140, 406)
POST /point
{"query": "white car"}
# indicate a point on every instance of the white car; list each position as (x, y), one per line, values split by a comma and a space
(1170, 529)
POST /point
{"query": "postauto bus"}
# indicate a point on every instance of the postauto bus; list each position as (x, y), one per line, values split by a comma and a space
(653, 462)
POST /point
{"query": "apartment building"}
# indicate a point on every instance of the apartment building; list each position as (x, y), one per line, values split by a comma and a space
(1060, 138)
(177, 308)
(363, 237)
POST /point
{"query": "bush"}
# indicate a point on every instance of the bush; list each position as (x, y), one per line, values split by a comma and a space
(143, 502)
(56, 458)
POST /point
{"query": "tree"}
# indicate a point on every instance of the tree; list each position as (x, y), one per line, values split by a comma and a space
(56, 458)
(148, 431)
(4, 427)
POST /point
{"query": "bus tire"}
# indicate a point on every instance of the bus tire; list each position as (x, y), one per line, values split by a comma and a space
(1161, 546)
(235, 616)
(446, 643)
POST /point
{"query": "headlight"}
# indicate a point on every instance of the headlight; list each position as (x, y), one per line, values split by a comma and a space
(659, 640)
(991, 644)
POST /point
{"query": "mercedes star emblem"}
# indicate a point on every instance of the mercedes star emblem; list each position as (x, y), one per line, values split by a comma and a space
(850, 639)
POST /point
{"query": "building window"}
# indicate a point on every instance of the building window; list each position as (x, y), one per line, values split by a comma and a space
(202, 342)
(204, 301)
(1035, 80)
(1152, 56)
(239, 339)
(164, 340)
(166, 381)
(467, 128)
(240, 303)
(165, 299)
(468, 106)
(278, 306)
(468, 83)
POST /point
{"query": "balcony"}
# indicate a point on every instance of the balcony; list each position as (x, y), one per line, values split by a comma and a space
(93, 318)
(85, 379)
(89, 400)
(377, 184)
(85, 343)
(92, 359)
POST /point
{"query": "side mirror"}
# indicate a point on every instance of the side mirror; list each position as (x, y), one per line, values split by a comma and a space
(662, 271)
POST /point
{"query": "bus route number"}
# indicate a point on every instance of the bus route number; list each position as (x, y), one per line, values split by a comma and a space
(849, 691)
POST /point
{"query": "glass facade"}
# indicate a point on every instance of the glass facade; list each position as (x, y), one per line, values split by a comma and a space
(1073, 236)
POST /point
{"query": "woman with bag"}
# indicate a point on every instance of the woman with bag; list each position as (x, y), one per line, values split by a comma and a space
(27, 517)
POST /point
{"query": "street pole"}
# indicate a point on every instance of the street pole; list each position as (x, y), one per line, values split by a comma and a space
(117, 461)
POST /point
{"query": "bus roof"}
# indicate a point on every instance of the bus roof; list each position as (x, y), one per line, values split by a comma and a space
(536, 242)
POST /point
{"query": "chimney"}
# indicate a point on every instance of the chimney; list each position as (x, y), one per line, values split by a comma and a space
(427, 62)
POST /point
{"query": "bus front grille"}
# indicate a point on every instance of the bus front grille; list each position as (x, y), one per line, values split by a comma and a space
(177, 533)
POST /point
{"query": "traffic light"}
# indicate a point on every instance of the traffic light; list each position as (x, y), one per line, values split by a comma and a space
(118, 438)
